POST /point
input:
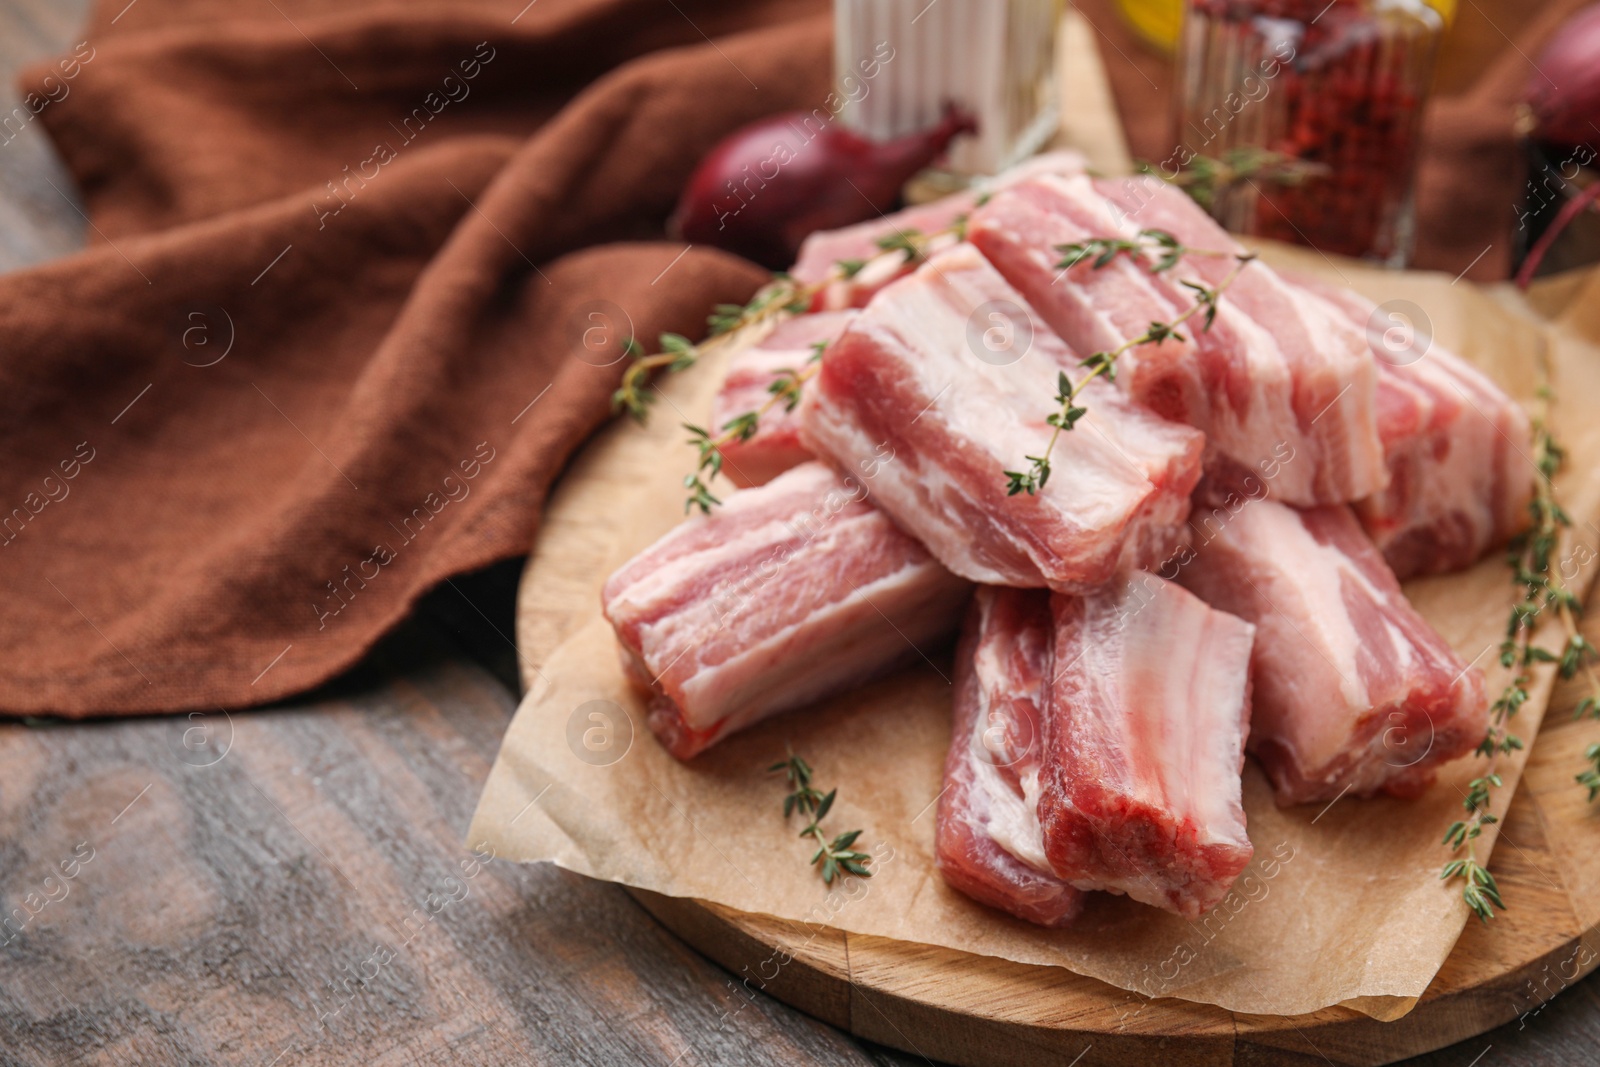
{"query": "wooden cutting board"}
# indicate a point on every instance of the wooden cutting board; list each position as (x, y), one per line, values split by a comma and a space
(988, 1012)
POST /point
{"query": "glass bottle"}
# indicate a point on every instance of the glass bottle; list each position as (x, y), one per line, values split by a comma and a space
(993, 58)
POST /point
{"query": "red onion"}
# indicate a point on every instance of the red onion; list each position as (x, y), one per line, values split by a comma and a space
(1564, 100)
(1569, 211)
(766, 186)
(1564, 93)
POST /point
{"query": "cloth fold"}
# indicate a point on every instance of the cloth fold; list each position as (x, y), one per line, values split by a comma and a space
(357, 285)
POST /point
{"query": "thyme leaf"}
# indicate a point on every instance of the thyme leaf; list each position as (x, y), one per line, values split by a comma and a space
(909, 242)
(1103, 252)
(1155, 250)
(674, 352)
(1543, 592)
(1210, 180)
(784, 296)
(784, 389)
(833, 854)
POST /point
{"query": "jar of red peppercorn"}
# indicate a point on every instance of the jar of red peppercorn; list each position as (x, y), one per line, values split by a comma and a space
(1298, 119)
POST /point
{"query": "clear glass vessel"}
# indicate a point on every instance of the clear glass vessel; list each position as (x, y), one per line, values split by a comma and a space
(1298, 119)
(994, 58)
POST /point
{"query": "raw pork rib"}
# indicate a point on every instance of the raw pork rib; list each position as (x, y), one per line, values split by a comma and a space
(859, 243)
(1144, 733)
(821, 251)
(1282, 386)
(1459, 476)
(1354, 691)
(910, 398)
(775, 446)
(988, 843)
(782, 596)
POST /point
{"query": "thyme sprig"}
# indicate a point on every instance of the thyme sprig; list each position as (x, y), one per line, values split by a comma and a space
(784, 389)
(1138, 248)
(1580, 653)
(1543, 591)
(676, 353)
(834, 855)
(913, 245)
(1591, 777)
(1211, 179)
(784, 295)
(1577, 654)
(1103, 251)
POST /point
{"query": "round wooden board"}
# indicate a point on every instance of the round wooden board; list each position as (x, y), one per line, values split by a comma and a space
(988, 1012)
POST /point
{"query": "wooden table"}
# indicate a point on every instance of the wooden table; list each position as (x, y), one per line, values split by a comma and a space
(290, 886)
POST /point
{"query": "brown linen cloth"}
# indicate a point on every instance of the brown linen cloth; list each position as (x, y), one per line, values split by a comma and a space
(1470, 171)
(336, 254)
(348, 306)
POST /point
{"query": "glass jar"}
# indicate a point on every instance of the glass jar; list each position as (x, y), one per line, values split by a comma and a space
(993, 58)
(1298, 119)
(1158, 21)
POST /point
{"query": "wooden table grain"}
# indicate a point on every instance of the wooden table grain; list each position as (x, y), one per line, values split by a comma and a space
(291, 885)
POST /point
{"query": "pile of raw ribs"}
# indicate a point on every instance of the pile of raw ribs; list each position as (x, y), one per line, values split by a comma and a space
(1212, 564)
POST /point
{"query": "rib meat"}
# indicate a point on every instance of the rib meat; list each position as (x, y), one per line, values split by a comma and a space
(1354, 691)
(1282, 387)
(912, 399)
(859, 243)
(775, 446)
(988, 843)
(1144, 733)
(784, 595)
(1456, 446)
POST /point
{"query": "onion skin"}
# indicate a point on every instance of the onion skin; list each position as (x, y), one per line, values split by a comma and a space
(764, 188)
(1569, 211)
(1564, 91)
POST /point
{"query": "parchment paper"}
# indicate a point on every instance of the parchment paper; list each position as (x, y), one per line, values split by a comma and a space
(1343, 904)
